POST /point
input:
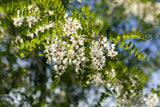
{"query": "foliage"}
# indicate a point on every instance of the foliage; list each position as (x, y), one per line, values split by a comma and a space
(70, 51)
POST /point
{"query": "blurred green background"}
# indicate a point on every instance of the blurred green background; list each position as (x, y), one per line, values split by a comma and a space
(27, 82)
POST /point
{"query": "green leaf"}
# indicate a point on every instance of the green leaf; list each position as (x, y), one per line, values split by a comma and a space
(131, 49)
(21, 45)
(129, 44)
(121, 42)
(21, 54)
(40, 54)
(33, 43)
(125, 69)
(74, 35)
(27, 44)
(136, 52)
(16, 54)
(54, 83)
(142, 57)
(152, 90)
(125, 46)
(146, 57)
(139, 54)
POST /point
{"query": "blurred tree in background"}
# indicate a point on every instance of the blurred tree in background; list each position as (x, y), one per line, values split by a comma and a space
(26, 80)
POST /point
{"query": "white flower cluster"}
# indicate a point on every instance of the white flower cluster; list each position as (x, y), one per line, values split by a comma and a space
(151, 100)
(71, 26)
(56, 52)
(65, 54)
(59, 51)
(139, 8)
(97, 52)
(41, 28)
(111, 73)
(96, 80)
(98, 60)
(110, 48)
(112, 52)
(122, 97)
(31, 19)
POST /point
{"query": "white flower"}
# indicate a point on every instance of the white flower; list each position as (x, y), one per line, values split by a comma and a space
(80, 1)
(111, 73)
(17, 21)
(74, 61)
(55, 67)
(66, 15)
(105, 39)
(50, 12)
(70, 26)
(113, 46)
(112, 53)
(97, 56)
(151, 100)
(96, 80)
(65, 61)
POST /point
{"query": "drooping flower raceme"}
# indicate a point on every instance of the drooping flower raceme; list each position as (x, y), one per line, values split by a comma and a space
(98, 59)
(97, 52)
(96, 80)
(71, 26)
(65, 54)
(110, 48)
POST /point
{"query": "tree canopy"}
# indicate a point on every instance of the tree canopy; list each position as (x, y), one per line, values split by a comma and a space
(53, 53)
